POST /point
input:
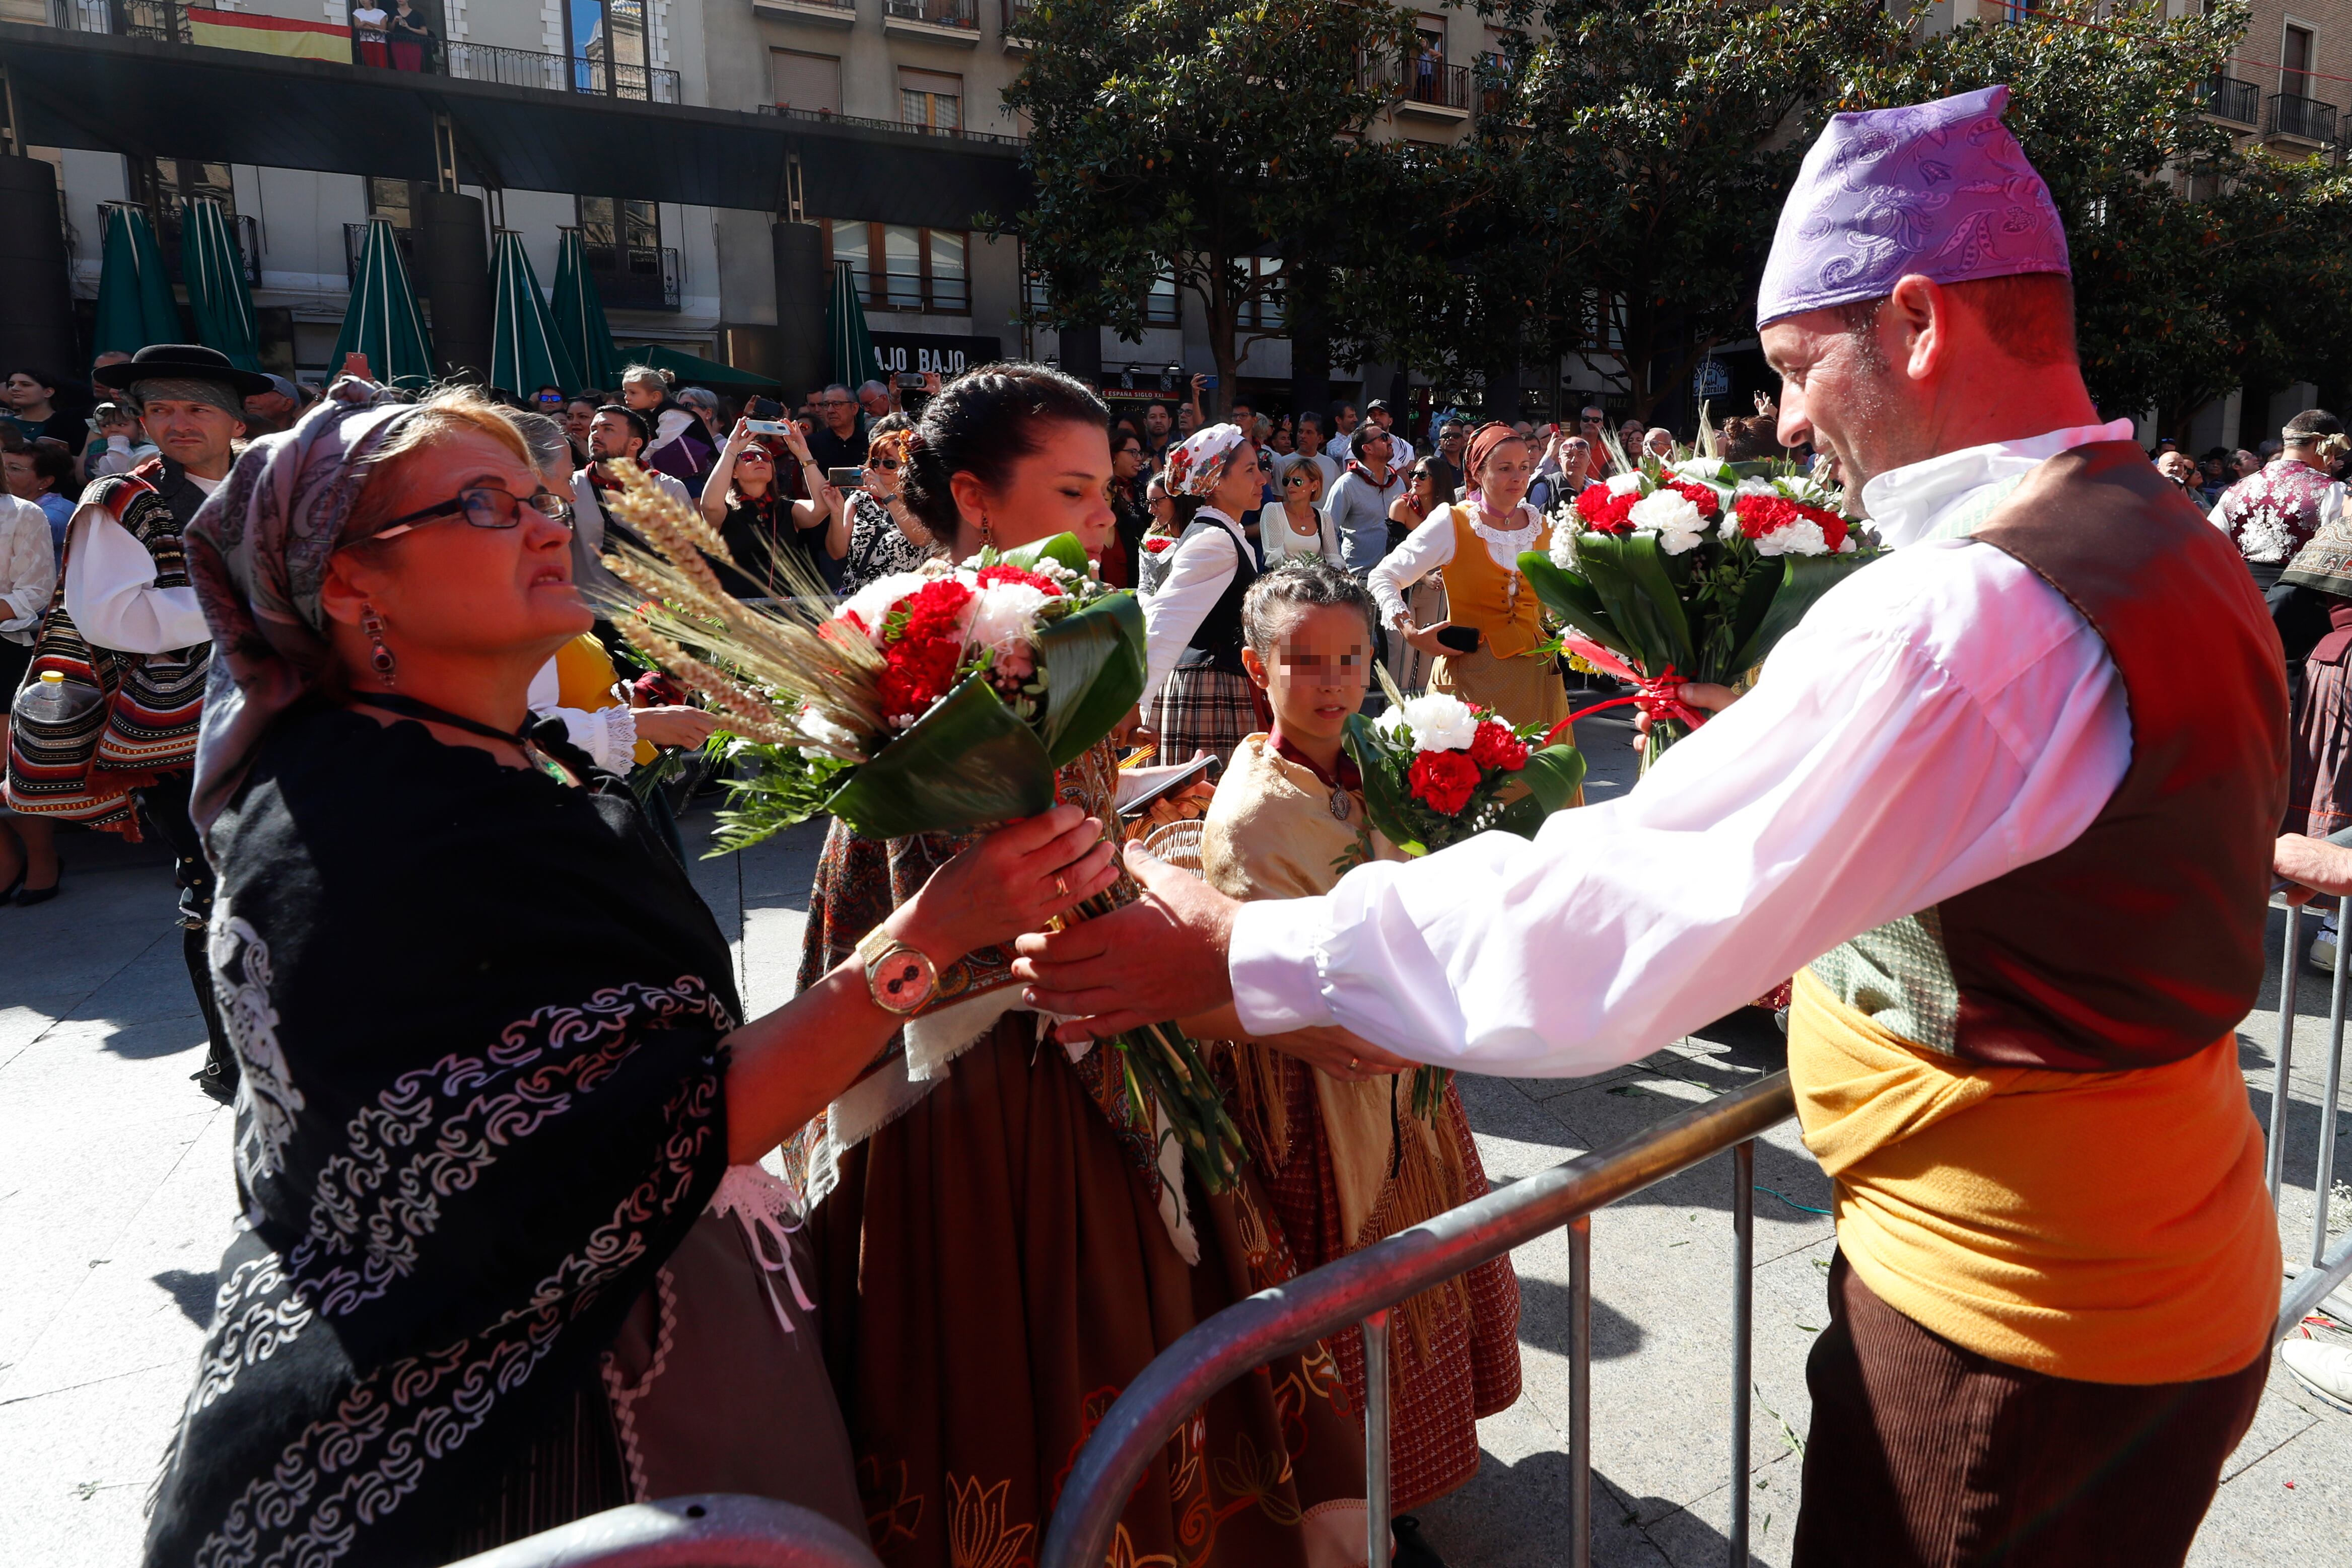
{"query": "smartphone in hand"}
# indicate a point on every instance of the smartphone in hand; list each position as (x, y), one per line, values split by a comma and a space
(846, 478)
(765, 426)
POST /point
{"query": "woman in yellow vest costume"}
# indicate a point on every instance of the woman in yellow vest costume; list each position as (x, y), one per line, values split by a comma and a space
(1475, 545)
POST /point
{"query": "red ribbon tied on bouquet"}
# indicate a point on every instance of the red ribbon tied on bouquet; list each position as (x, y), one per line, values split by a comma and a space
(1659, 695)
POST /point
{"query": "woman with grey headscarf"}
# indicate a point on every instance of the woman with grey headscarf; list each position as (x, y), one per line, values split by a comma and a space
(507, 1255)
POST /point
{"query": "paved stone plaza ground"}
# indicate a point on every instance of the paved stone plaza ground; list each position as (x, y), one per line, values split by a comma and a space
(115, 1198)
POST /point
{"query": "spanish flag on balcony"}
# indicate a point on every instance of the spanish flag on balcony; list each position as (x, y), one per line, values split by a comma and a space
(269, 34)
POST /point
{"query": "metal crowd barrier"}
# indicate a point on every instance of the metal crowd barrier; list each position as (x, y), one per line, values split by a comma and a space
(2325, 1270)
(1362, 1287)
(719, 1531)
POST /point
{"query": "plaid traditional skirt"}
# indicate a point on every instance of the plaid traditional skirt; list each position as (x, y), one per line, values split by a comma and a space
(1206, 709)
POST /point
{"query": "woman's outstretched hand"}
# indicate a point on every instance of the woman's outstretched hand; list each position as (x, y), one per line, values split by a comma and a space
(1705, 695)
(1016, 879)
(1162, 956)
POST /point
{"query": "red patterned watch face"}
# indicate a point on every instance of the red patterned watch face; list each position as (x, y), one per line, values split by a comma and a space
(902, 980)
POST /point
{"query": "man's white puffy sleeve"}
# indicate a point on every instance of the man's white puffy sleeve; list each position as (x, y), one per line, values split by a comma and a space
(1941, 717)
(112, 595)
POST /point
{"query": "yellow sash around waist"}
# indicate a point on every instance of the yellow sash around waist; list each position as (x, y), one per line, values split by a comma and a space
(2105, 1227)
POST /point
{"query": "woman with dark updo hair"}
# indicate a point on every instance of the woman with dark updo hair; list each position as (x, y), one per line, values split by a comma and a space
(1006, 1242)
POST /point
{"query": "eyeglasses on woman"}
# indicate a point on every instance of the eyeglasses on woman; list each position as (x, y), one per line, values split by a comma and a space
(482, 507)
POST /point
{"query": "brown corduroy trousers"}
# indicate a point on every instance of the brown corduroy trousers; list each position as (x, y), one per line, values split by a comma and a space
(1924, 1455)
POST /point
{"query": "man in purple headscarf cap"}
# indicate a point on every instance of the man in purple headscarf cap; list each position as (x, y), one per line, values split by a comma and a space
(2004, 803)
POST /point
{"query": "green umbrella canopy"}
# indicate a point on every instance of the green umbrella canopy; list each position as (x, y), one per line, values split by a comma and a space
(135, 306)
(844, 330)
(693, 368)
(580, 324)
(525, 353)
(382, 320)
(213, 269)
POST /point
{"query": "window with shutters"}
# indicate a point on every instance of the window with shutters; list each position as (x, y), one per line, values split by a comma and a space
(811, 82)
(930, 99)
(899, 267)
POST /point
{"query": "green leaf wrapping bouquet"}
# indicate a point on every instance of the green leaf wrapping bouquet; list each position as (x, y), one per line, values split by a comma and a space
(941, 700)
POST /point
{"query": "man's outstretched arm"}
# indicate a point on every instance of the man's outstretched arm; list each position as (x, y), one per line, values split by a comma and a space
(1936, 721)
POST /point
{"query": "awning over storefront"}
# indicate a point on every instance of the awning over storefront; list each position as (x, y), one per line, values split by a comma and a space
(145, 97)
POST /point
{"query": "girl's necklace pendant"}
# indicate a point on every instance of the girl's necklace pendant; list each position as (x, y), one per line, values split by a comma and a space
(1338, 802)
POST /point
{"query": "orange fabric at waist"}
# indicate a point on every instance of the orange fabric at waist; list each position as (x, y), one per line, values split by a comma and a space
(2107, 1226)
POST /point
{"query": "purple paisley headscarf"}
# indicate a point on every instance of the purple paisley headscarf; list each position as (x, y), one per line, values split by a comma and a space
(1940, 189)
(258, 552)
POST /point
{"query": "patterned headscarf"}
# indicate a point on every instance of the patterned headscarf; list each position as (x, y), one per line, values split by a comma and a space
(1483, 442)
(1939, 188)
(258, 552)
(1196, 468)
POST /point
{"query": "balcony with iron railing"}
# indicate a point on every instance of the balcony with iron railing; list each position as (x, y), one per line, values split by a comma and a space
(956, 21)
(2227, 99)
(170, 226)
(634, 276)
(862, 122)
(825, 13)
(1013, 23)
(2299, 120)
(166, 21)
(403, 240)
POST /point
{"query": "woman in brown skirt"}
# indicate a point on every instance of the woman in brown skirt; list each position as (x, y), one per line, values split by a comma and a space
(1005, 1243)
(1194, 620)
(1486, 650)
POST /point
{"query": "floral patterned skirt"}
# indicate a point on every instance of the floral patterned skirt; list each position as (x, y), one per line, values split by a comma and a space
(995, 1274)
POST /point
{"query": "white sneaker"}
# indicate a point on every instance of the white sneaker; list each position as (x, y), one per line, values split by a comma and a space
(2324, 1368)
(2322, 956)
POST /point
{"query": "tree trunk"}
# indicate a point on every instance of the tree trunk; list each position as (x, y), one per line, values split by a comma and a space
(1310, 338)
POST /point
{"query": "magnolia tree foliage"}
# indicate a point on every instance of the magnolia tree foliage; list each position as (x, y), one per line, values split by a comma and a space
(1626, 170)
(1220, 141)
(2197, 267)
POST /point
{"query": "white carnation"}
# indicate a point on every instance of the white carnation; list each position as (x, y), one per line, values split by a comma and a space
(1673, 517)
(871, 604)
(1004, 615)
(1625, 484)
(1563, 541)
(1803, 537)
(1437, 722)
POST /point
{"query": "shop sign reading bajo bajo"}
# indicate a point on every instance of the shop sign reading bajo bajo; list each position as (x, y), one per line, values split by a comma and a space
(901, 353)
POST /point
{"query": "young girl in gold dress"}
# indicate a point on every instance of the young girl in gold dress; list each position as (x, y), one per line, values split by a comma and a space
(1349, 1163)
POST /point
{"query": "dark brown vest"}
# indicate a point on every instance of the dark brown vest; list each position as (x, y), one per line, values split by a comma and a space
(2141, 942)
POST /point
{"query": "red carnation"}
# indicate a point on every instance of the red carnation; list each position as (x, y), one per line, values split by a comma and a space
(1153, 544)
(934, 612)
(1704, 496)
(1443, 780)
(915, 675)
(1003, 573)
(1603, 511)
(1762, 515)
(1496, 747)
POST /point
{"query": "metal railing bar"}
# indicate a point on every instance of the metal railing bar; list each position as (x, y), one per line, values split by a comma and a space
(2324, 1180)
(2310, 1288)
(2290, 976)
(1376, 1438)
(1291, 1316)
(1580, 1391)
(1743, 1335)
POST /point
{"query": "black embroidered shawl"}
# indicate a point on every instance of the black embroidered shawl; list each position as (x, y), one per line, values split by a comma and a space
(479, 1014)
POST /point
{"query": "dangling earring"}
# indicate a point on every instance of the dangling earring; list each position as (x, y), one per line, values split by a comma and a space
(987, 532)
(380, 659)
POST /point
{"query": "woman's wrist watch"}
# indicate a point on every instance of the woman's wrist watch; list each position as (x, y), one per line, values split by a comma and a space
(900, 979)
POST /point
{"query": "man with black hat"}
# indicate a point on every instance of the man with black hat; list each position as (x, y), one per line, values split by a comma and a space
(127, 623)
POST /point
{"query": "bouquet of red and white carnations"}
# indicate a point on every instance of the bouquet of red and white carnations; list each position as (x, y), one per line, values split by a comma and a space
(1435, 772)
(1689, 571)
(941, 700)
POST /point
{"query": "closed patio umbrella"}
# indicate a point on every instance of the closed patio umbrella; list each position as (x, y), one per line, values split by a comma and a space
(525, 353)
(135, 306)
(844, 330)
(382, 320)
(580, 324)
(213, 267)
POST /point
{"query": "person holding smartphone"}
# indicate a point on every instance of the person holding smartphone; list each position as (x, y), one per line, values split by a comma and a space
(759, 523)
(885, 534)
(1485, 651)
